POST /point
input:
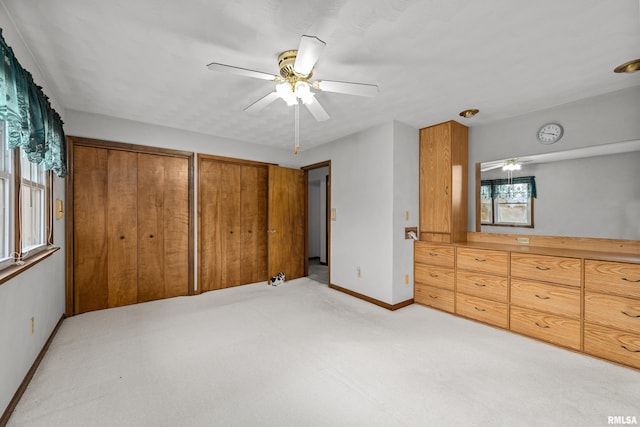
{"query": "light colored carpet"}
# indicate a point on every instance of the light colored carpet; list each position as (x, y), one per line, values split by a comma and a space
(318, 272)
(302, 354)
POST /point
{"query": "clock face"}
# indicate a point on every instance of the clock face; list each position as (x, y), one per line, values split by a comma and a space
(550, 133)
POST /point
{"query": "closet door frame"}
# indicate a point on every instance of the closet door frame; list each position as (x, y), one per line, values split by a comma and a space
(74, 141)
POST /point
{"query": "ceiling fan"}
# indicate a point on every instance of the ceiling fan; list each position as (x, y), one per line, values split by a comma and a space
(296, 70)
(505, 165)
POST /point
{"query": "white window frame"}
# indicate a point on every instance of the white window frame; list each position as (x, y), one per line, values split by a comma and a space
(7, 221)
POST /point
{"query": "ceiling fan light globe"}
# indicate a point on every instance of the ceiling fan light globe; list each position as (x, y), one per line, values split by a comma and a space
(284, 91)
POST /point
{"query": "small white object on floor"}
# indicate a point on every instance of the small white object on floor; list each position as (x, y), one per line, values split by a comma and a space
(276, 280)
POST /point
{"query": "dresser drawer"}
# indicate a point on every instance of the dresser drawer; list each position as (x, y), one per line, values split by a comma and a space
(612, 277)
(483, 260)
(433, 275)
(561, 270)
(481, 309)
(548, 327)
(434, 297)
(441, 255)
(610, 310)
(546, 297)
(483, 285)
(612, 344)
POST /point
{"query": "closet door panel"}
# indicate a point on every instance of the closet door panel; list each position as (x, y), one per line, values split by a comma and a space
(176, 226)
(253, 191)
(219, 223)
(90, 230)
(122, 224)
(151, 183)
(227, 235)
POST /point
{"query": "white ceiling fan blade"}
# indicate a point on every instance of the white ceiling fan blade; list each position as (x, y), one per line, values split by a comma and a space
(317, 111)
(262, 102)
(214, 66)
(359, 89)
(308, 53)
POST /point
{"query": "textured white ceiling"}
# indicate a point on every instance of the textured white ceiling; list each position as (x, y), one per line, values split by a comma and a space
(145, 60)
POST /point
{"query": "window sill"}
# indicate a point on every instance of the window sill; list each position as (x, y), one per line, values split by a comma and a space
(14, 270)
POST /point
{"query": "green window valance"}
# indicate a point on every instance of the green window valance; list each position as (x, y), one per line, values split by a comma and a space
(522, 187)
(31, 122)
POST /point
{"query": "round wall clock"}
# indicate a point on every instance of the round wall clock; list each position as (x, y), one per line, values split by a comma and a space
(550, 133)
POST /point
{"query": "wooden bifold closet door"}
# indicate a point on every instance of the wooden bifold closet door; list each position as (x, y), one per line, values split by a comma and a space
(232, 223)
(131, 227)
(236, 244)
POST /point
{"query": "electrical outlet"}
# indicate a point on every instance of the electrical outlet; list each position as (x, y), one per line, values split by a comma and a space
(33, 325)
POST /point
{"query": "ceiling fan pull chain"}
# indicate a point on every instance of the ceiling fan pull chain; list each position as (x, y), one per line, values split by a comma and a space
(297, 127)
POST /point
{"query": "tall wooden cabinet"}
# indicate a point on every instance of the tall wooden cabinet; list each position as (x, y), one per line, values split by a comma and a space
(443, 182)
(130, 228)
(232, 213)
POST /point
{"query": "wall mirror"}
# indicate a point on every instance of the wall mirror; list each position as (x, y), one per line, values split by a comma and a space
(586, 192)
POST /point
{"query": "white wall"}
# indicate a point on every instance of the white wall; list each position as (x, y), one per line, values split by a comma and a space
(605, 119)
(319, 232)
(362, 194)
(405, 199)
(314, 219)
(38, 292)
(374, 180)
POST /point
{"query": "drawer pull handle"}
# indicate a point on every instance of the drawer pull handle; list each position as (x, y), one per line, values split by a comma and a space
(630, 315)
(538, 296)
(628, 349)
(542, 326)
(480, 259)
(433, 254)
(543, 268)
(434, 297)
(482, 285)
(479, 309)
(629, 280)
(433, 275)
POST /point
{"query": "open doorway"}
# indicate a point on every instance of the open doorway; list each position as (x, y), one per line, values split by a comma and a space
(318, 217)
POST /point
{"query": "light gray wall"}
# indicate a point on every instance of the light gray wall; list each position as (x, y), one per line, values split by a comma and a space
(605, 119)
(374, 180)
(314, 219)
(405, 200)
(38, 292)
(362, 194)
(318, 228)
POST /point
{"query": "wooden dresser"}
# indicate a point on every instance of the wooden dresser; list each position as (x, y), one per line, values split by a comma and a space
(583, 300)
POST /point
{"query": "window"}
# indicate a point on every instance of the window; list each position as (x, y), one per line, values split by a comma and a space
(32, 204)
(508, 202)
(6, 211)
(23, 231)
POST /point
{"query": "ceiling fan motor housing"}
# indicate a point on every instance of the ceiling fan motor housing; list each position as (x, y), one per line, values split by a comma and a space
(286, 60)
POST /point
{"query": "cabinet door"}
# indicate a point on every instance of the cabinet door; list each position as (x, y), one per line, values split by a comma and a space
(287, 199)
(435, 179)
(90, 279)
(219, 223)
(253, 218)
(122, 224)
